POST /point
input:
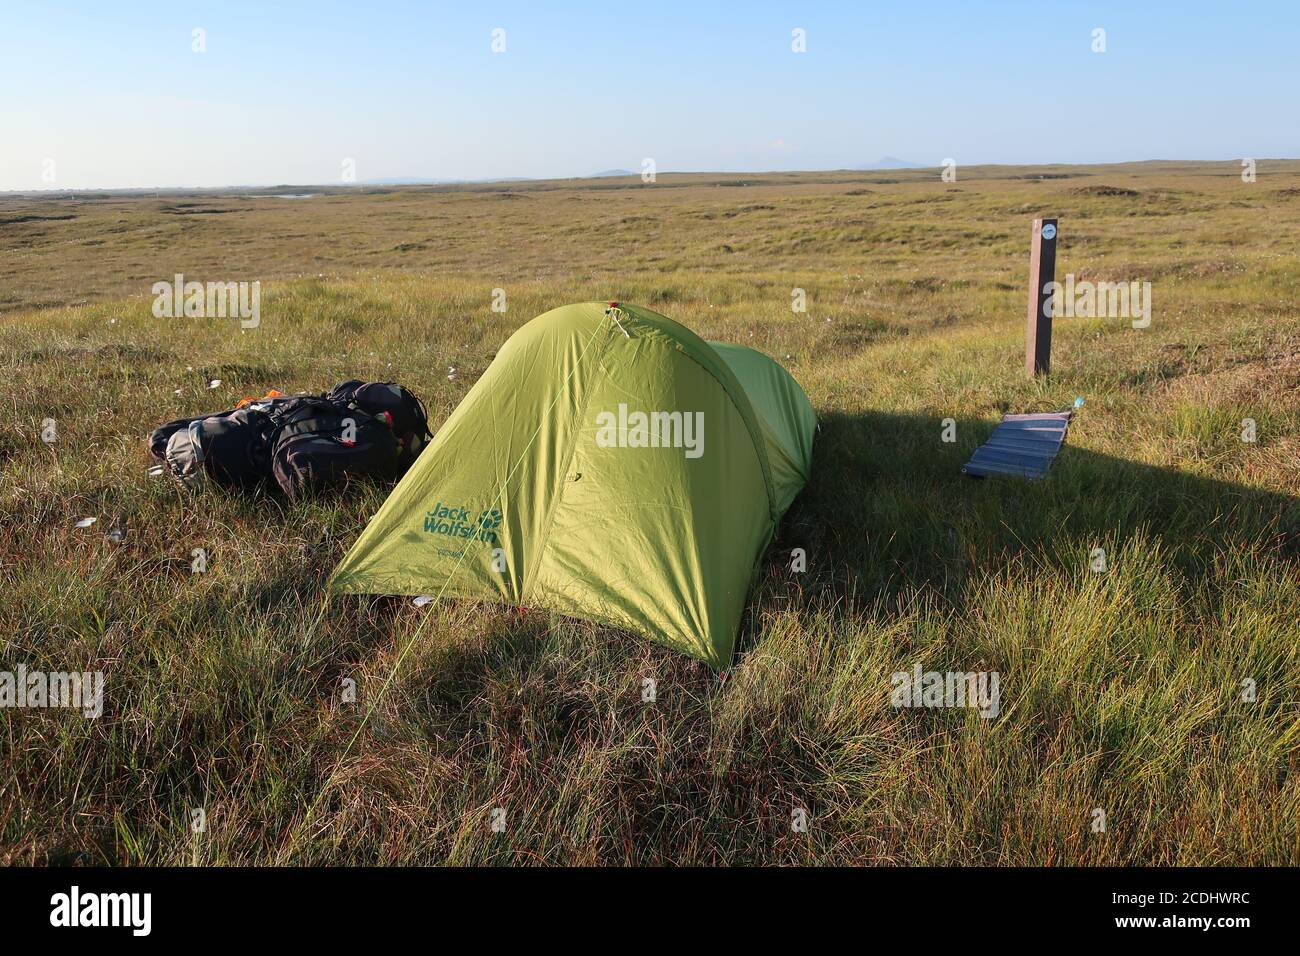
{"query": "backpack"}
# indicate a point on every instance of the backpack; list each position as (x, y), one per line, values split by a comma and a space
(319, 442)
(305, 442)
(397, 405)
(231, 448)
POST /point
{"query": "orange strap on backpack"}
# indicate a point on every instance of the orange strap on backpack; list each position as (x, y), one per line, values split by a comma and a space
(273, 393)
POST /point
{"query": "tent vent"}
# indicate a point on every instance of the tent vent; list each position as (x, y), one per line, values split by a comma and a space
(612, 312)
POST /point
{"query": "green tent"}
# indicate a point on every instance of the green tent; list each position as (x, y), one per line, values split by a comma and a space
(609, 465)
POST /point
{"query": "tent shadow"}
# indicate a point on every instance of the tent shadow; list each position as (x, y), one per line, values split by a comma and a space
(888, 512)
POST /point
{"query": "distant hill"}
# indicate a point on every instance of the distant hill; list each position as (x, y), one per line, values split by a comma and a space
(416, 181)
(893, 162)
(612, 172)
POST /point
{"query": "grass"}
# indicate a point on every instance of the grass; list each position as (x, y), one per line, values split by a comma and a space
(1120, 691)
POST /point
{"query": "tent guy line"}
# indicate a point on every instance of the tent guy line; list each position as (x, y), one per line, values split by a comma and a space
(420, 628)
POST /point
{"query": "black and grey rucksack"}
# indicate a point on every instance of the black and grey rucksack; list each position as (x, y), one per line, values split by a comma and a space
(398, 405)
(304, 442)
(320, 442)
(232, 448)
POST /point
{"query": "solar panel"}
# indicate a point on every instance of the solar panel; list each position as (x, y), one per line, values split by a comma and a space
(1022, 445)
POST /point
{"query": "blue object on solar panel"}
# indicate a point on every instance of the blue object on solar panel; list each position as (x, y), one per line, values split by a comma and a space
(1023, 445)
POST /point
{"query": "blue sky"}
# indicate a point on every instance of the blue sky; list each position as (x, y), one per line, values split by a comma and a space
(113, 95)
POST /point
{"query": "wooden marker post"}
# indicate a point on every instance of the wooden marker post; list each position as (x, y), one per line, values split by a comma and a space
(1042, 270)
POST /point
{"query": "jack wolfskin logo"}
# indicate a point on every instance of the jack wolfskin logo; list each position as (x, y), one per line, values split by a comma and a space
(454, 521)
(651, 430)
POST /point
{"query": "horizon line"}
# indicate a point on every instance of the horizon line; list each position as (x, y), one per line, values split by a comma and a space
(607, 174)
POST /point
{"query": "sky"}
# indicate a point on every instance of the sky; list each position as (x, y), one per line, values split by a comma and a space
(119, 95)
